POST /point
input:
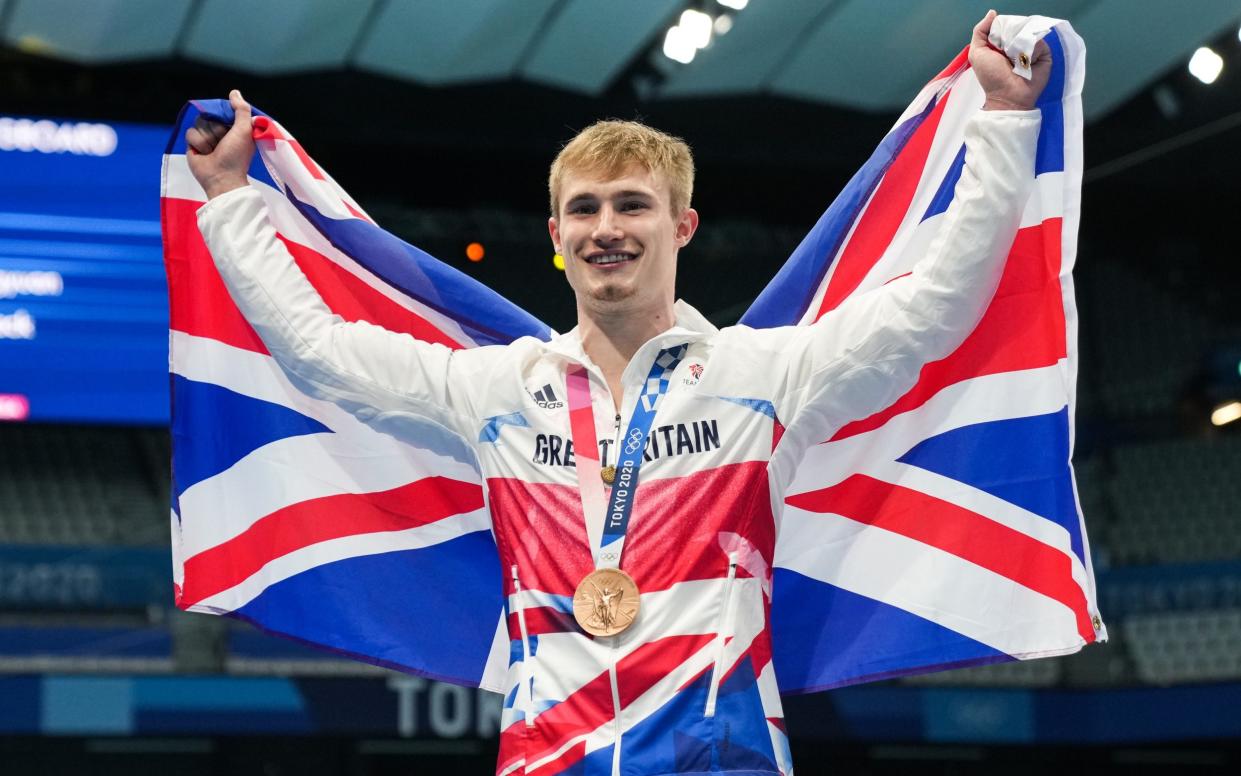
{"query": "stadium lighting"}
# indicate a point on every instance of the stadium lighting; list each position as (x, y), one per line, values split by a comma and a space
(723, 23)
(678, 46)
(738, 5)
(1205, 65)
(697, 26)
(1226, 413)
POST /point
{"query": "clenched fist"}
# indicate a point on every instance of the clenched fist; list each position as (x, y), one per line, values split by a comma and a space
(219, 155)
(1005, 89)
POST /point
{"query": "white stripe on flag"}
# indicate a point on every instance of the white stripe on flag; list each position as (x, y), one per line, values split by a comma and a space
(309, 467)
(180, 184)
(1001, 396)
(315, 555)
(256, 375)
(928, 582)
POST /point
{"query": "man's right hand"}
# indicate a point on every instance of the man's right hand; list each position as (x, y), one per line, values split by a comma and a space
(219, 155)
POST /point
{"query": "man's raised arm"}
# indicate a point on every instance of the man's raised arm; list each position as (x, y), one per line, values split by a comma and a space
(866, 353)
(363, 367)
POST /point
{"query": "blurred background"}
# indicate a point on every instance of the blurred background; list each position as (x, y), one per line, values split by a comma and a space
(441, 119)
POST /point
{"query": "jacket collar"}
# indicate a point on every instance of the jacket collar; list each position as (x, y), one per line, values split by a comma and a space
(690, 326)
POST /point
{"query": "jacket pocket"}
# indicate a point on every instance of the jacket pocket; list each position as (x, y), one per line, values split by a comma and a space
(724, 628)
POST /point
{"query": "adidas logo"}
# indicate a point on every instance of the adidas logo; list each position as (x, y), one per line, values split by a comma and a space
(545, 397)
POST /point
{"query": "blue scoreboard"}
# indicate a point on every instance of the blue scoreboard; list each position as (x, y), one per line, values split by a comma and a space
(83, 300)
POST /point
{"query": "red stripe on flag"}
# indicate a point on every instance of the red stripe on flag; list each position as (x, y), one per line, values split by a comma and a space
(958, 531)
(1023, 328)
(266, 129)
(199, 301)
(959, 61)
(317, 520)
(877, 225)
(354, 300)
(356, 212)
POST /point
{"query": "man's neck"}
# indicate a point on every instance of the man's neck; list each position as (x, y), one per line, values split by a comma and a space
(610, 340)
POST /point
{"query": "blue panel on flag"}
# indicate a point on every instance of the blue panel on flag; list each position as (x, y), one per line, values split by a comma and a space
(943, 195)
(487, 317)
(867, 639)
(1024, 461)
(224, 427)
(403, 619)
(785, 299)
(1050, 154)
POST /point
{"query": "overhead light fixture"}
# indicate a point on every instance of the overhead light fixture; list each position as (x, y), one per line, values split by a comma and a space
(738, 5)
(723, 23)
(1226, 413)
(697, 26)
(692, 32)
(1205, 65)
(678, 46)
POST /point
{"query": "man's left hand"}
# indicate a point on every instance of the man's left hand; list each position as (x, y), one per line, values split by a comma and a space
(1005, 89)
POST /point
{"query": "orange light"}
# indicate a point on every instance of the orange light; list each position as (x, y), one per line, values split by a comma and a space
(475, 252)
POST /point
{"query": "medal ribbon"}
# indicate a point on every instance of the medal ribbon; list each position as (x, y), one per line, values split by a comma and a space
(586, 453)
(629, 455)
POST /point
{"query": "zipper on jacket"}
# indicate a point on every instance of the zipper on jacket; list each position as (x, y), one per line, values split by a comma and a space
(616, 435)
(527, 678)
(723, 630)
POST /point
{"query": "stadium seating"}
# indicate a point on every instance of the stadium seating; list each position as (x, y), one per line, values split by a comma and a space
(1177, 501)
(1186, 646)
(1147, 344)
(87, 486)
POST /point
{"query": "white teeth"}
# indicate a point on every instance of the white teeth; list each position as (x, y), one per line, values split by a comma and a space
(611, 258)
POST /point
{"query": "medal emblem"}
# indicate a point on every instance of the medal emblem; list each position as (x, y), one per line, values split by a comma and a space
(606, 602)
(608, 473)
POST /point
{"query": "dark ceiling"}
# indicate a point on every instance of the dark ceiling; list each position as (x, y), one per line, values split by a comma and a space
(772, 159)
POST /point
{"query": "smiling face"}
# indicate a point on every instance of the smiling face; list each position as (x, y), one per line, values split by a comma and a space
(619, 237)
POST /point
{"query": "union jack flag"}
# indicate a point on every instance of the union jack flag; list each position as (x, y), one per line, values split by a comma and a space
(943, 531)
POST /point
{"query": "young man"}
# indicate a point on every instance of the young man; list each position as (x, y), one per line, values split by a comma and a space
(664, 665)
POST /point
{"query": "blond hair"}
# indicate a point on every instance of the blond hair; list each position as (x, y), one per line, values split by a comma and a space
(608, 147)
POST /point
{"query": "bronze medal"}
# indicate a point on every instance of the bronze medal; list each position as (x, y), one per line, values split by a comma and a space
(606, 602)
